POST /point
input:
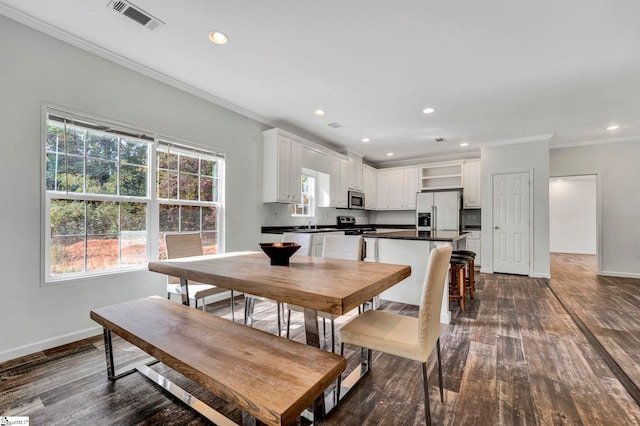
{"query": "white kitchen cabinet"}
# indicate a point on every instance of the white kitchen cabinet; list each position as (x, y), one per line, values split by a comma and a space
(440, 176)
(338, 165)
(410, 188)
(473, 243)
(280, 167)
(471, 194)
(397, 188)
(355, 171)
(370, 187)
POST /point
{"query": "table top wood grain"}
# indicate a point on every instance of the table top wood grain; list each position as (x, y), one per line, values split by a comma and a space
(271, 378)
(328, 285)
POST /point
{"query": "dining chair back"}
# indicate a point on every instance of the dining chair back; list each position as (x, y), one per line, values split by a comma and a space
(186, 245)
(347, 247)
(407, 337)
(303, 239)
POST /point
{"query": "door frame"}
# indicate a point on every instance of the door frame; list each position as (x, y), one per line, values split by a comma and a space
(530, 172)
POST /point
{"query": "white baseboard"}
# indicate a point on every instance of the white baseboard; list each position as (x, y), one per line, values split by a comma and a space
(537, 275)
(486, 271)
(49, 343)
(445, 318)
(620, 274)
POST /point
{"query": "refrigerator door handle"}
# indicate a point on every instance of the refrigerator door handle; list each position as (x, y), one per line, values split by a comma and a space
(434, 218)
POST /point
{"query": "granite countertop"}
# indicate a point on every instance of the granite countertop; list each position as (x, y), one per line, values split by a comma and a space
(421, 235)
(324, 228)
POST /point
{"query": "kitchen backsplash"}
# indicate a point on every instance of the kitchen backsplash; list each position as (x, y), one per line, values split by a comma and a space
(276, 214)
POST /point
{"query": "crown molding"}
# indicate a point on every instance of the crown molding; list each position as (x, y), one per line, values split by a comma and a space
(473, 153)
(527, 139)
(632, 138)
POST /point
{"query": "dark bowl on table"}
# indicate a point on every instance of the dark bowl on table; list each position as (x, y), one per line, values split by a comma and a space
(279, 253)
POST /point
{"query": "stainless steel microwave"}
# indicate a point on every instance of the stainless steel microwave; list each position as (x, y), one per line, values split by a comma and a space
(356, 200)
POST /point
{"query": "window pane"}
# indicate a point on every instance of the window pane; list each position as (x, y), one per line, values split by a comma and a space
(206, 167)
(133, 180)
(206, 189)
(102, 217)
(55, 172)
(167, 160)
(101, 176)
(209, 242)
(189, 219)
(167, 185)
(102, 252)
(67, 255)
(169, 218)
(133, 251)
(189, 164)
(75, 174)
(210, 218)
(67, 217)
(188, 186)
(133, 217)
(73, 142)
(102, 146)
(134, 152)
(54, 138)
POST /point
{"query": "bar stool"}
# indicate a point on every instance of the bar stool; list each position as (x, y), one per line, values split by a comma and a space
(471, 279)
(457, 281)
(467, 272)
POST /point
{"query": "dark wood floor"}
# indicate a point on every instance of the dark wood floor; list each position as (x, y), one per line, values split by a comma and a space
(516, 357)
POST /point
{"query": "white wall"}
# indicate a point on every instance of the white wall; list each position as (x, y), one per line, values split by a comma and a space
(616, 165)
(35, 68)
(572, 214)
(519, 157)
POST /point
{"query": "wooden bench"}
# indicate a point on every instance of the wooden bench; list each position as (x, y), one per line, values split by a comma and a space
(271, 379)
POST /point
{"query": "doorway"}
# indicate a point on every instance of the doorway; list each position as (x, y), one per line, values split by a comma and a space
(511, 224)
(572, 214)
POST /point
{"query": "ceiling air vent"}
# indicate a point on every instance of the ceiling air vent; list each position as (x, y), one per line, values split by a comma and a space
(134, 12)
(441, 139)
(335, 125)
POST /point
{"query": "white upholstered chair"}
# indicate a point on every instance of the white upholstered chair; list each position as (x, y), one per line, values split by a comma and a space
(304, 240)
(349, 247)
(407, 337)
(185, 245)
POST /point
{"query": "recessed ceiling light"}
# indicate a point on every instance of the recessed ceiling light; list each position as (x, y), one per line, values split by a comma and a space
(464, 144)
(218, 37)
(318, 112)
(613, 127)
(389, 154)
(366, 140)
(429, 110)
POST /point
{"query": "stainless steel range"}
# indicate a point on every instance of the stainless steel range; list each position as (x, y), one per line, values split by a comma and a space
(348, 224)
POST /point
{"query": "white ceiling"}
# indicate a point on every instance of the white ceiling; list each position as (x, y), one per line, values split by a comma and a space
(495, 70)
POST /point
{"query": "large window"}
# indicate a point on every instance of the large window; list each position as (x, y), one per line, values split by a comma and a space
(102, 188)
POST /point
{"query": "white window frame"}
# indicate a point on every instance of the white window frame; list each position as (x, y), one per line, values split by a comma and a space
(151, 200)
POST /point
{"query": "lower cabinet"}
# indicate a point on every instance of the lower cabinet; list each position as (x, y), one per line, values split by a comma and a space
(473, 244)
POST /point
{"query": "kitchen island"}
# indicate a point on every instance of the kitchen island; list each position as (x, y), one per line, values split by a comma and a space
(411, 247)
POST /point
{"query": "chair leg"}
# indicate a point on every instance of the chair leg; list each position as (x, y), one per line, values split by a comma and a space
(279, 306)
(333, 337)
(439, 370)
(288, 321)
(340, 376)
(233, 316)
(425, 390)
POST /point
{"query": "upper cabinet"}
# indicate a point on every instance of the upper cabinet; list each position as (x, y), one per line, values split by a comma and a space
(471, 193)
(370, 187)
(355, 171)
(338, 166)
(441, 176)
(397, 188)
(280, 167)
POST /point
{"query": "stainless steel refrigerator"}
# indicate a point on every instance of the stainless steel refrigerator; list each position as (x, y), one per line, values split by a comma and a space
(438, 210)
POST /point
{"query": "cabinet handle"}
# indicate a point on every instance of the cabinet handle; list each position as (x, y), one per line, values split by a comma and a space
(497, 227)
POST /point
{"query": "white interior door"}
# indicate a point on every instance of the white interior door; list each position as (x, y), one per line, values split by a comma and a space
(511, 223)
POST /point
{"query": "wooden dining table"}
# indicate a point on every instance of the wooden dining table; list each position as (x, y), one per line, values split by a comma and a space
(334, 286)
